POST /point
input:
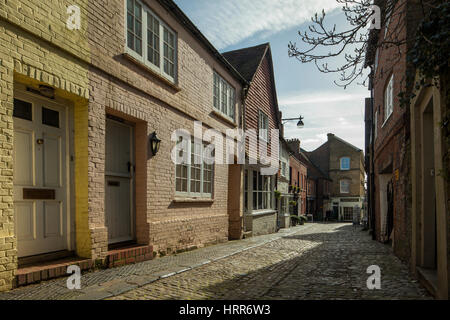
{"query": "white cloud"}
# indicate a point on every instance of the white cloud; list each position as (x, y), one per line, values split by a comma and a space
(227, 22)
(338, 112)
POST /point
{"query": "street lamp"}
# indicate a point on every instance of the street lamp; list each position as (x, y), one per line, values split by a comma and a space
(300, 123)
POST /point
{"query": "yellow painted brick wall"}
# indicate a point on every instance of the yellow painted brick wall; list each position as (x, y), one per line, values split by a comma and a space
(83, 239)
(37, 48)
(8, 253)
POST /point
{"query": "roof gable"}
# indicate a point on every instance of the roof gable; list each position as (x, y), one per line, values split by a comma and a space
(247, 60)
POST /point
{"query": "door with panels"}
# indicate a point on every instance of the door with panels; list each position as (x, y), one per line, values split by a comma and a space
(119, 181)
(40, 177)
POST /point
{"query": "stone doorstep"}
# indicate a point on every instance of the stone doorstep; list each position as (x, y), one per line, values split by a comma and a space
(130, 255)
(58, 268)
(50, 270)
(428, 278)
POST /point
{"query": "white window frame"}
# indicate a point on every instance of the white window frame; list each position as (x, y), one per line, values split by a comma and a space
(341, 186)
(266, 192)
(225, 91)
(263, 126)
(144, 57)
(342, 167)
(376, 60)
(189, 165)
(284, 166)
(389, 99)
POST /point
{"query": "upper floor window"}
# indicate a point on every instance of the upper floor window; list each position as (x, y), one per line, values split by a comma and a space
(263, 126)
(224, 97)
(284, 169)
(345, 163)
(150, 40)
(376, 60)
(389, 98)
(134, 26)
(345, 186)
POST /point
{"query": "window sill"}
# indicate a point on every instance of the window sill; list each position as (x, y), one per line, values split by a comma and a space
(261, 212)
(193, 200)
(151, 71)
(224, 117)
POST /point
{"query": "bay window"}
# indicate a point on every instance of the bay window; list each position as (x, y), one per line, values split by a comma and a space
(262, 192)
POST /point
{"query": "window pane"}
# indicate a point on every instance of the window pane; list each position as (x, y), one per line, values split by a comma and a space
(139, 46)
(169, 52)
(23, 110)
(153, 39)
(134, 26)
(50, 117)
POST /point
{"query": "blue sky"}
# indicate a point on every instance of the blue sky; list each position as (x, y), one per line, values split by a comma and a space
(301, 88)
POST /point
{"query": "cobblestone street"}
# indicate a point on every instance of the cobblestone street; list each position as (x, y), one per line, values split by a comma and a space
(326, 261)
(314, 261)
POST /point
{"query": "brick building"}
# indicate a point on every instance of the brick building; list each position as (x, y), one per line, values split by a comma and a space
(344, 164)
(407, 200)
(79, 176)
(318, 183)
(261, 115)
(283, 186)
(297, 180)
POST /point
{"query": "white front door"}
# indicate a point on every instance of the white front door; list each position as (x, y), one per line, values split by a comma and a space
(119, 181)
(40, 194)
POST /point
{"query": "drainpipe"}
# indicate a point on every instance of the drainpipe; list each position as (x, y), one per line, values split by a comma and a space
(244, 127)
(372, 166)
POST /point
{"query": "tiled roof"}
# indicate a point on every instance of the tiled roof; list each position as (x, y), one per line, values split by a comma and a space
(247, 60)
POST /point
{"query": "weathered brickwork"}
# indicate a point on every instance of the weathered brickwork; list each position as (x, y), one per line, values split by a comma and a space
(88, 68)
(33, 54)
(338, 150)
(298, 174)
(392, 144)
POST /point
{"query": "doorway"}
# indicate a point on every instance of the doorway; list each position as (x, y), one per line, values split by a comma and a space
(428, 190)
(40, 177)
(119, 180)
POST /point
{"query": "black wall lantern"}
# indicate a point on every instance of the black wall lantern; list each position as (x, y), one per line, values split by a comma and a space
(154, 143)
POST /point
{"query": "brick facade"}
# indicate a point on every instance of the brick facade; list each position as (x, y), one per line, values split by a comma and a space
(298, 175)
(328, 158)
(90, 72)
(391, 143)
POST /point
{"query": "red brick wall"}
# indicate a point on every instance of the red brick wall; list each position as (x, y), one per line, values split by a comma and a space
(392, 142)
(131, 91)
(299, 179)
